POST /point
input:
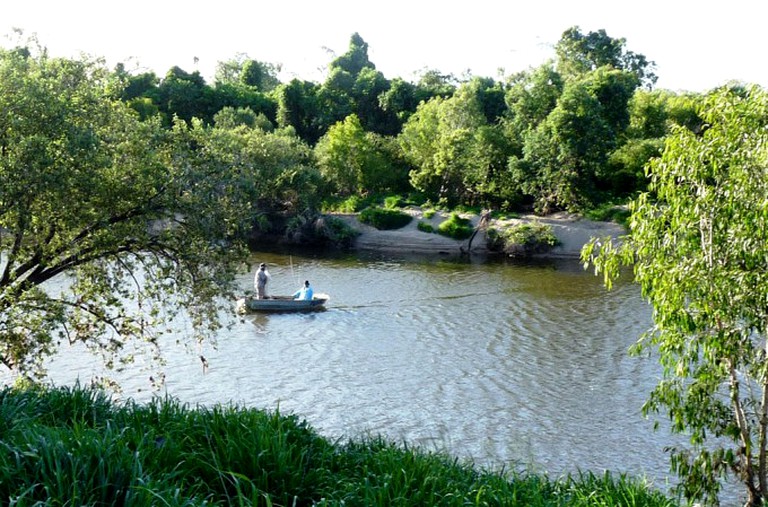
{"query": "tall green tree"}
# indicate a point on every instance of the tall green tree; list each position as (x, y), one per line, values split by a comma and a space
(355, 59)
(128, 216)
(530, 97)
(579, 54)
(184, 95)
(563, 154)
(246, 71)
(447, 143)
(298, 108)
(357, 162)
(698, 247)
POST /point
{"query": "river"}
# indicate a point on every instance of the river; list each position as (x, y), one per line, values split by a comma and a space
(521, 366)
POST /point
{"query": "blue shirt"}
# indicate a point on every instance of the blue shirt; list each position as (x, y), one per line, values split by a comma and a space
(304, 293)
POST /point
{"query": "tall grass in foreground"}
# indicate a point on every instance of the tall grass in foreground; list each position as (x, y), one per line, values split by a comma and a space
(75, 447)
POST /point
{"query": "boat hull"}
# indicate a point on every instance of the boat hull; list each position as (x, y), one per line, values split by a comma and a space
(283, 304)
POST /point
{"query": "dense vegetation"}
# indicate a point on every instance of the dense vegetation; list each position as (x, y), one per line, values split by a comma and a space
(570, 134)
(75, 447)
(698, 246)
(137, 187)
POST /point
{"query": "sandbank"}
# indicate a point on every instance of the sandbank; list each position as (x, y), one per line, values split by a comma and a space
(572, 231)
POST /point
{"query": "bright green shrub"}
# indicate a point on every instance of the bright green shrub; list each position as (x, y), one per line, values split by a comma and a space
(523, 239)
(385, 219)
(456, 227)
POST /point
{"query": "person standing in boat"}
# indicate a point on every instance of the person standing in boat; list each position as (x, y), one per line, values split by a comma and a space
(260, 281)
(305, 293)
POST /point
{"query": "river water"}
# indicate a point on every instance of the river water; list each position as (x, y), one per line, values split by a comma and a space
(509, 365)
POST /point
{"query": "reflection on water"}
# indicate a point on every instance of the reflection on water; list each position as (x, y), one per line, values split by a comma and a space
(508, 365)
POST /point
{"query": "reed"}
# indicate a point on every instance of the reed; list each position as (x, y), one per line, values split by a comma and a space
(74, 446)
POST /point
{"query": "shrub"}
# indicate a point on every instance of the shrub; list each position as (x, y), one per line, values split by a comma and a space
(393, 201)
(523, 239)
(456, 227)
(385, 219)
(425, 227)
(429, 213)
(609, 213)
(351, 204)
(335, 231)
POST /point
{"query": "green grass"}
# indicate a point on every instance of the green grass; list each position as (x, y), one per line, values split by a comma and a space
(75, 447)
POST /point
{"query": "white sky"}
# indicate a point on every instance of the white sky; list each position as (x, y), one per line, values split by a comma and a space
(696, 45)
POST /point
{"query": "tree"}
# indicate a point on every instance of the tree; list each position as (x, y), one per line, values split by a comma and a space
(355, 161)
(184, 95)
(578, 54)
(698, 245)
(530, 97)
(446, 141)
(131, 217)
(355, 59)
(297, 107)
(563, 154)
(243, 70)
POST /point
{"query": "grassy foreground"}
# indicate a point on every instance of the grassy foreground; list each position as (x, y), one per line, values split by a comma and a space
(73, 446)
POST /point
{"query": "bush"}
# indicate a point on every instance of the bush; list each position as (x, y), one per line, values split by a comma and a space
(385, 219)
(523, 239)
(335, 231)
(609, 213)
(425, 227)
(351, 204)
(456, 227)
(393, 201)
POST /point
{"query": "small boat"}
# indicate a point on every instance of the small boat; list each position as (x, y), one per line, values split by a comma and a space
(282, 304)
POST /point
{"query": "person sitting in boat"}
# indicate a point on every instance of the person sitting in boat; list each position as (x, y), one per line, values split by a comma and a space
(260, 281)
(305, 293)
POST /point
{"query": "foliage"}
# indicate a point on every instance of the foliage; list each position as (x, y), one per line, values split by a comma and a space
(609, 212)
(76, 447)
(298, 107)
(119, 212)
(351, 204)
(425, 227)
(324, 230)
(579, 54)
(335, 231)
(522, 240)
(243, 70)
(276, 168)
(455, 152)
(456, 227)
(625, 169)
(356, 162)
(385, 219)
(697, 245)
(565, 156)
(229, 117)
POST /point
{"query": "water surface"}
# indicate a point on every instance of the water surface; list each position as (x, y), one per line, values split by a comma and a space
(514, 366)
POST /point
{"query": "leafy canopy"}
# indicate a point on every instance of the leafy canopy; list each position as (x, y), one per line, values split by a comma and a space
(698, 245)
(105, 219)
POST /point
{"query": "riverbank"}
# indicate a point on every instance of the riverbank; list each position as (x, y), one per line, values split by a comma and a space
(572, 232)
(75, 446)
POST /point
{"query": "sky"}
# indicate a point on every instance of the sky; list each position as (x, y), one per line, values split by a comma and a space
(696, 45)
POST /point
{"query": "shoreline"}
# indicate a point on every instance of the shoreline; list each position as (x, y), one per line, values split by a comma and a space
(572, 231)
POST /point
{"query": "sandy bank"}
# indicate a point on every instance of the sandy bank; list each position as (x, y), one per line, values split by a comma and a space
(573, 233)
